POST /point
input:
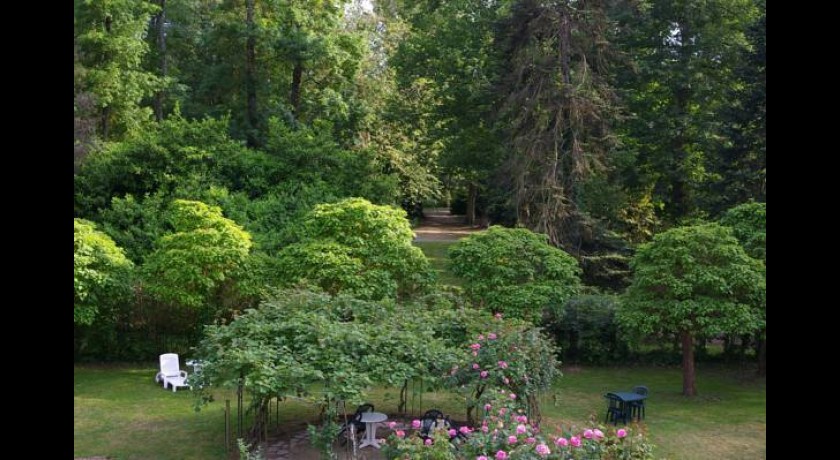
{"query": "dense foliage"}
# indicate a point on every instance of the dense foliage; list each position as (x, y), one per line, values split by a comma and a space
(514, 271)
(598, 124)
(100, 272)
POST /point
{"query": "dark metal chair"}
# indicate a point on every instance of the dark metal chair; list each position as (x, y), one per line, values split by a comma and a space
(616, 409)
(356, 421)
(637, 408)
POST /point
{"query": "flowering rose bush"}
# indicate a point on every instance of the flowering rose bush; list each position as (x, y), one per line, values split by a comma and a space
(509, 354)
(510, 435)
(506, 433)
(402, 446)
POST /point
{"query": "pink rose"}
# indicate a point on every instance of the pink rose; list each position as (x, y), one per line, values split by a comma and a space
(491, 336)
(542, 449)
(520, 429)
(598, 434)
(391, 425)
(483, 374)
(480, 336)
(475, 346)
(575, 441)
(505, 379)
(498, 316)
(521, 419)
(487, 407)
(588, 434)
(512, 395)
(465, 429)
(621, 433)
(484, 428)
(503, 364)
(452, 433)
(415, 424)
(481, 457)
(501, 455)
(562, 442)
(428, 441)
(400, 434)
(475, 353)
(476, 366)
(530, 440)
(512, 439)
(502, 411)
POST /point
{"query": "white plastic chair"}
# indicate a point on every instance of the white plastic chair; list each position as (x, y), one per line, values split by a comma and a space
(170, 372)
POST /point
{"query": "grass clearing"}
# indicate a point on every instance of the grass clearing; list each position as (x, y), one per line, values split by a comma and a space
(121, 413)
(435, 251)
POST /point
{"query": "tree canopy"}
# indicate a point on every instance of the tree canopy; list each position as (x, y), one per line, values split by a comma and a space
(100, 271)
(514, 271)
(356, 247)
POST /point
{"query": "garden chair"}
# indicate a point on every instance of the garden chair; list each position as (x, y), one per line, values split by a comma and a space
(433, 419)
(615, 409)
(170, 372)
(638, 407)
(354, 424)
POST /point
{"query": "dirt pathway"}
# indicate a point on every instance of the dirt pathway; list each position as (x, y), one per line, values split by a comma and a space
(439, 225)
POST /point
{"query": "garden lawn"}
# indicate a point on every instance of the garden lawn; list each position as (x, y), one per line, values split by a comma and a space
(727, 420)
(121, 413)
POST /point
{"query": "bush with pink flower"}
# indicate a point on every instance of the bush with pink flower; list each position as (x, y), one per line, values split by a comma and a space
(512, 436)
(509, 354)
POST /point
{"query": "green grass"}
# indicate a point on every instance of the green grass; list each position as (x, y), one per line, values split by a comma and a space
(119, 412)
(728, 420)
(435, 251)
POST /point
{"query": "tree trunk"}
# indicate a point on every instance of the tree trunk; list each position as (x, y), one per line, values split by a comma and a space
(164, 70)
(294, 98)
(106, 111)
(472, 193)
(762, 353)
(250, 77)
(687, 339)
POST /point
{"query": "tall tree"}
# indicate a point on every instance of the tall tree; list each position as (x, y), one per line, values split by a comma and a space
(557, 110)
(690, 281)
(685, 53)
(741, 164)
(109, 45)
